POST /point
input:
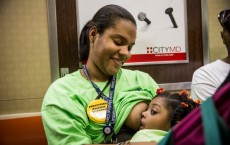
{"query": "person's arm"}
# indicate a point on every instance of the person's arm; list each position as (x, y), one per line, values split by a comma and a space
(133, 121)
(64, 120)
(202, 85)
(148, 88)
(63, 128)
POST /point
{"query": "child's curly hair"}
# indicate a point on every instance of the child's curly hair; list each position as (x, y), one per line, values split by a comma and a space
(178, 104)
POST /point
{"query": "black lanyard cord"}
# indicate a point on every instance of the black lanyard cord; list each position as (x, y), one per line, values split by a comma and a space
(99, 95)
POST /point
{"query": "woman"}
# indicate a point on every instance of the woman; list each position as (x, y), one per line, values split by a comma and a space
(92, 104)
(207, 79)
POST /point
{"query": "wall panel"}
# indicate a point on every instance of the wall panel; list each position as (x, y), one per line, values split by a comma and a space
(24, 50)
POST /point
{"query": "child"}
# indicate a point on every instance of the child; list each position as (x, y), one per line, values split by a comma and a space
(164, 111)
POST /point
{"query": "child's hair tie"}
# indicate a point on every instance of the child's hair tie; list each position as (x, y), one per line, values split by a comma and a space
(197, 102)
(184, 104)
(184, 92)
(160, 90)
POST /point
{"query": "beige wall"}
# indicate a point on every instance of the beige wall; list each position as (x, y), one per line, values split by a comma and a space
(216, 46)
(24, 60)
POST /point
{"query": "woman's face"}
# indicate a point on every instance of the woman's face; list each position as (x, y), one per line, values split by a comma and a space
(156, 116)
(111, 49)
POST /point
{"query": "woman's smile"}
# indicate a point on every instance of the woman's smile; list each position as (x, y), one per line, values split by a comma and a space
(118, 61)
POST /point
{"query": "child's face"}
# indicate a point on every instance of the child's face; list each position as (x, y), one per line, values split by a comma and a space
(156, 116)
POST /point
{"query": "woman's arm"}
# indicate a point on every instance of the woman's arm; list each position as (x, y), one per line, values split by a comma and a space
(133, 121)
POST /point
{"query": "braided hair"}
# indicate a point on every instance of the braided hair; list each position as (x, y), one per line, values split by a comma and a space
(178, 104)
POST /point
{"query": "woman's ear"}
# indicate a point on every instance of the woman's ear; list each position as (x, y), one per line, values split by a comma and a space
(92, 34)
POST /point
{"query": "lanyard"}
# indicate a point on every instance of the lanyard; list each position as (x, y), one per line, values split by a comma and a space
(108, 130)
(99, 92)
